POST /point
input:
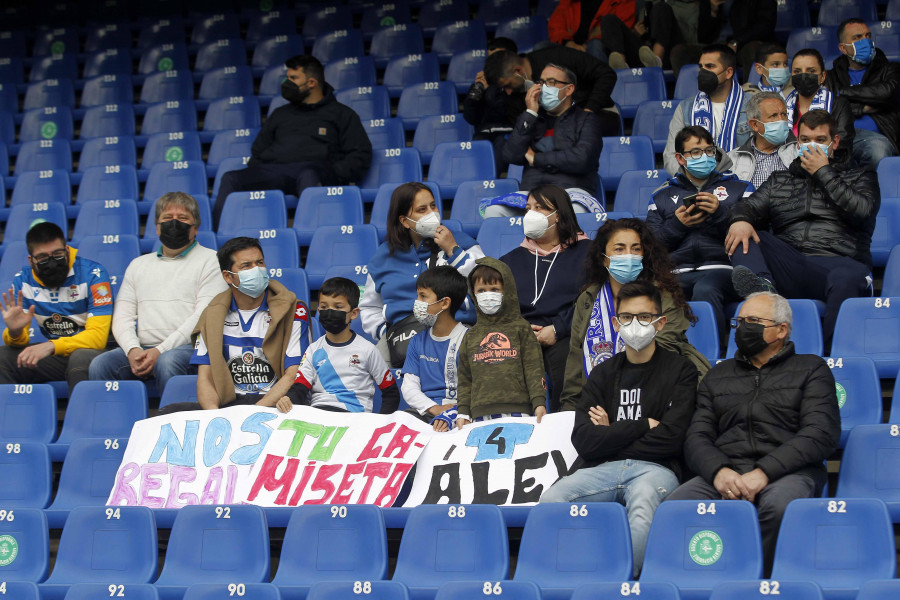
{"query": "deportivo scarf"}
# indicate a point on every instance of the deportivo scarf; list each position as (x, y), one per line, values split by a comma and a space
(701, 114)
(601, 340)
(822, 100)
(769, 88)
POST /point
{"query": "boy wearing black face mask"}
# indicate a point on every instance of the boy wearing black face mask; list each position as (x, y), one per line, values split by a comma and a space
(339, 369)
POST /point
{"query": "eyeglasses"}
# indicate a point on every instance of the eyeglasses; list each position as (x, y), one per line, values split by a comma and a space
(552, 82)
(738, 321)
(43, 259)
(643, 318)
(698, 152)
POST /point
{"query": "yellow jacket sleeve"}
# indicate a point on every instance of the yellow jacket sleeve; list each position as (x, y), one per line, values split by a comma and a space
(20, 341)
(94, 336)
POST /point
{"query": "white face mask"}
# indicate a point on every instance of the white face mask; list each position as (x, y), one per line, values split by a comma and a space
(427, 225)
(489, 302)
(536, 224)
(420, 312)
(636, 335)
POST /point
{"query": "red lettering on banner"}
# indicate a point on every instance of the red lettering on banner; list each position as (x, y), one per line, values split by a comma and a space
(401, 441)
(323, 482)
(304, 479)
(392, 486)
(371, 450)
(345, 489)
(267, 478)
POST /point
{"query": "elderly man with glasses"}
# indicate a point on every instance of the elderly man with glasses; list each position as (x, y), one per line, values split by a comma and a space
(765, 422)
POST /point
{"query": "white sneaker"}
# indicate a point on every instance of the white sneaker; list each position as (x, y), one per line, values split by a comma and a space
(648, 58)
(617, 60)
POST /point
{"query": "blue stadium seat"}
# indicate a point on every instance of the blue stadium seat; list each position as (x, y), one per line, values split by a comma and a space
(397, 40)
(385, 133)
(590, 542)
(463, 68)
(9, 98)
(704, 334)
(264, 209)
(13, 43)
(108, 120)
(27, 413)
(26, 474)
(28, 529)
(858, 392)
(867, 327)
(274, 51)
(833, 12)
(434, 14)
(106, 217)
(889, 176)
(879, 590)
(892, 12)
(320, 547)
(22, 590)
(441, 544)
(107, 36)
(459, 36)
(838, 543)
(622, 154)
(355, 71)
(294, 280)
(236, 112)
(435, 129)
(279, 246)
(869, 466)
(220, 53)
(335, 245)
(132, 591)
(167, 85)
(100, 544)
(221, 82)
(806, 333)
(456, 162)
(48, 123)
(500, 235)
(53, 67)
(391, 165)
(228, 144)
(886, 36)
(369, 102)
(636, 189)
(403, 72)
(164, 57)
(12, 69)
(15, 258)
(338, 590)
(42, 186)
(218, 26)
(7, 129)
(792, 14)
(113, 61)
(636, 86)
(591, 222)
(21, 216)
(652, 119)
(110, 182)
(169, 116)
(179, 388)
(170, 146)
(50, 92)
(525, 31)
(326, 20)
(100, 152)
(887, 230)
(222, 591)
(338, 44)
(57, 40)
(334, 205)
(229, 164)
(761, 590)
(165, 30)
(204, 547)
(270, 84)
(107, 89)
(494, 12)
(731, 534)
(40, 155)
(646, 590)
(823, 39)
(469, 194)
(382, 15)
(178, 176)
(891, 285)
(266, 25)
(379, 214)
(686, 83)
(464, 590)
(88, 475)
(101, 409)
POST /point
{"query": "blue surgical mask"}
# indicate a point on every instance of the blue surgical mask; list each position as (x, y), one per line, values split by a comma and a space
(549, 97)
(625, 268)
(254, 281)
(701, 167)
(778, 75)
(776, 132)
(864, 51)
(804, 148)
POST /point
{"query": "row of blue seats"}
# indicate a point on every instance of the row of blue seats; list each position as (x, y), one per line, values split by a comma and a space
(794, 14)
(840, 544)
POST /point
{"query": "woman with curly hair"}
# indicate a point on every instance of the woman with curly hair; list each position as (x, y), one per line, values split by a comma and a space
(622, 251)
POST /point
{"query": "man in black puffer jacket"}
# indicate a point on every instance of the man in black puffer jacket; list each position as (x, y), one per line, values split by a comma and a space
(765, 421)
(821, 212)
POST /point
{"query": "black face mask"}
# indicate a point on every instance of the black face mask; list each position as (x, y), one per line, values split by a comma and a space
(333, 321)
(806, 84)
(749, 339)
(292, 92)
(53, 272)
(707, 81)
(174, 234)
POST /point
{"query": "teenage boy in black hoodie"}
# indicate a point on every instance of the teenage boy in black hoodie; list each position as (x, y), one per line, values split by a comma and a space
(631, 419)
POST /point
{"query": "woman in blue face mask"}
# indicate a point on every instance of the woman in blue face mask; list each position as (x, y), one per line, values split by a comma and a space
(622, 251)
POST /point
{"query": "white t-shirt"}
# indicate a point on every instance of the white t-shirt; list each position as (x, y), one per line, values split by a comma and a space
(718, 110)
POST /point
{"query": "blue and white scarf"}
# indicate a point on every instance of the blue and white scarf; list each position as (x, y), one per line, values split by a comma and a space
(823, 99)
(601, 340)
(769, 88)
(702, 114)
(448, 417)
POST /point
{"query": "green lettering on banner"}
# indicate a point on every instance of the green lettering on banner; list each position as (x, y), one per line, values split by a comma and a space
(301, 429)
(321, 451)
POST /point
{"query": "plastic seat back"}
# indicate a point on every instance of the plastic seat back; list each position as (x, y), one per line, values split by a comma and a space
(385, 133)
(500, 235)
(216, 26)
(224, 52)
(50, 92)
(27, 412)
(891, 285)
(334, 245)
(22, 216)
(41, 155)
(492, 12)
(516, 590)
(648, 590)
(762, 590)
(325, 20)
(236, 112)
(277, 49)
(338, 44)
(369, 102)
(867, 327)
(354, 71)
(456, 162)
(458, 36)
(169, 116)
(833, 12)
(404, 71)
(164, 57)
(525, 31)
(635, 86)
(621, 154)
(396, 40)
(117, 217)
(464, 67)
(42, 186)
(391, 165)
(858, 392)
(177, 176)
(818, 38)
(26, 475)
(24, 545)
(226, 591)
(435, 129)
(294, 280)
(54, 66)
(230, 80)
(887, 231)
(92, 591)
(342, 590)
(172, 146)
(279, 246)
(230, 143)
(167, 85)
(704, 334)
(100, 152)
(179, 388)
(110, 182)
(103, 409)
(48, 123)
(108, 89)
(469, 194)
(256, 210)
(885, 589)
(333, 205)
(635, 191)
(652, 119)
(870, 466)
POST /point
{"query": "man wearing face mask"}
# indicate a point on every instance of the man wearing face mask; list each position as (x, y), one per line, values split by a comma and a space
(807, 231)
(719, 106)
(70, 298)
(864, 76)
(631, 419)
(773, 69)
(772, 146)
(312, 140)
(556, 140)
(160, 299)
(765, 421)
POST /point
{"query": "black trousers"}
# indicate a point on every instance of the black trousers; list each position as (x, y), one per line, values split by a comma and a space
(555, 366)
(617, 37)
(71, 369)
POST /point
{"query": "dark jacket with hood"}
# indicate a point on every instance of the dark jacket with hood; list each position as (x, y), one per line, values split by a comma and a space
(326, 132)
(829, 213)
(781, 418)
(880, 89)
(501, 368)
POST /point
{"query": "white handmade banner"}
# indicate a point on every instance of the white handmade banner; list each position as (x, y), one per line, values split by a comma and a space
(504, 462)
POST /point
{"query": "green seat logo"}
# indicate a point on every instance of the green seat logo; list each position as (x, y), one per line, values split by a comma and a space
(175, 153)
(49, 130)
(57, 47)
(9, 550)
(165, 64)
(841, 394)
(387, 21)
(266, 5)
(706, 547)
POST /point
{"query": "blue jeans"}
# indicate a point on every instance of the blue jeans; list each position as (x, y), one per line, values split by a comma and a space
(113, 365)
(641, 486)
(869, 147)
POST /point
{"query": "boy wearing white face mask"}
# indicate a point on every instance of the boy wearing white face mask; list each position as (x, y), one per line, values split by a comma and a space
(631, 419)
(500, 363)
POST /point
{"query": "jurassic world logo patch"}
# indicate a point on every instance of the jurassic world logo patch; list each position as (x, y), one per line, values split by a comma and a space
(251, 373)
(57, 325)
(495, 348)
